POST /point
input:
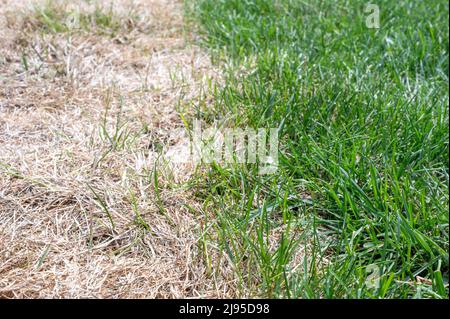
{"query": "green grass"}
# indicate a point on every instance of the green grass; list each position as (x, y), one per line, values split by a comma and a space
(54, 17)
(363, 117)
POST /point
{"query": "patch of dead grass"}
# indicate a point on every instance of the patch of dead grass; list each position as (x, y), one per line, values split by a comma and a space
(79, 214)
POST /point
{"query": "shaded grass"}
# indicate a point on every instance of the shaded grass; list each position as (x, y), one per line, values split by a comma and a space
(363, 118)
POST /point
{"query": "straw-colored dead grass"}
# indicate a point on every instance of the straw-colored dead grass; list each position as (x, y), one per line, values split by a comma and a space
(83, 117)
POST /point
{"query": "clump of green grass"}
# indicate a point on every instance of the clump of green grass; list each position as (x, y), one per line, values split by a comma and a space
(363, 115)
(54, 17)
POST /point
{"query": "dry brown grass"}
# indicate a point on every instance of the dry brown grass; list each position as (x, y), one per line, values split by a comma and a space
(79, 214)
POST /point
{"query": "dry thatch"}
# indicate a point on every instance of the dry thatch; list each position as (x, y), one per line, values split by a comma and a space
(83, 116)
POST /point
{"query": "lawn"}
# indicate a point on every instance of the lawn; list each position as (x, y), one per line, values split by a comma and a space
(358, 207)
(99, 106)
